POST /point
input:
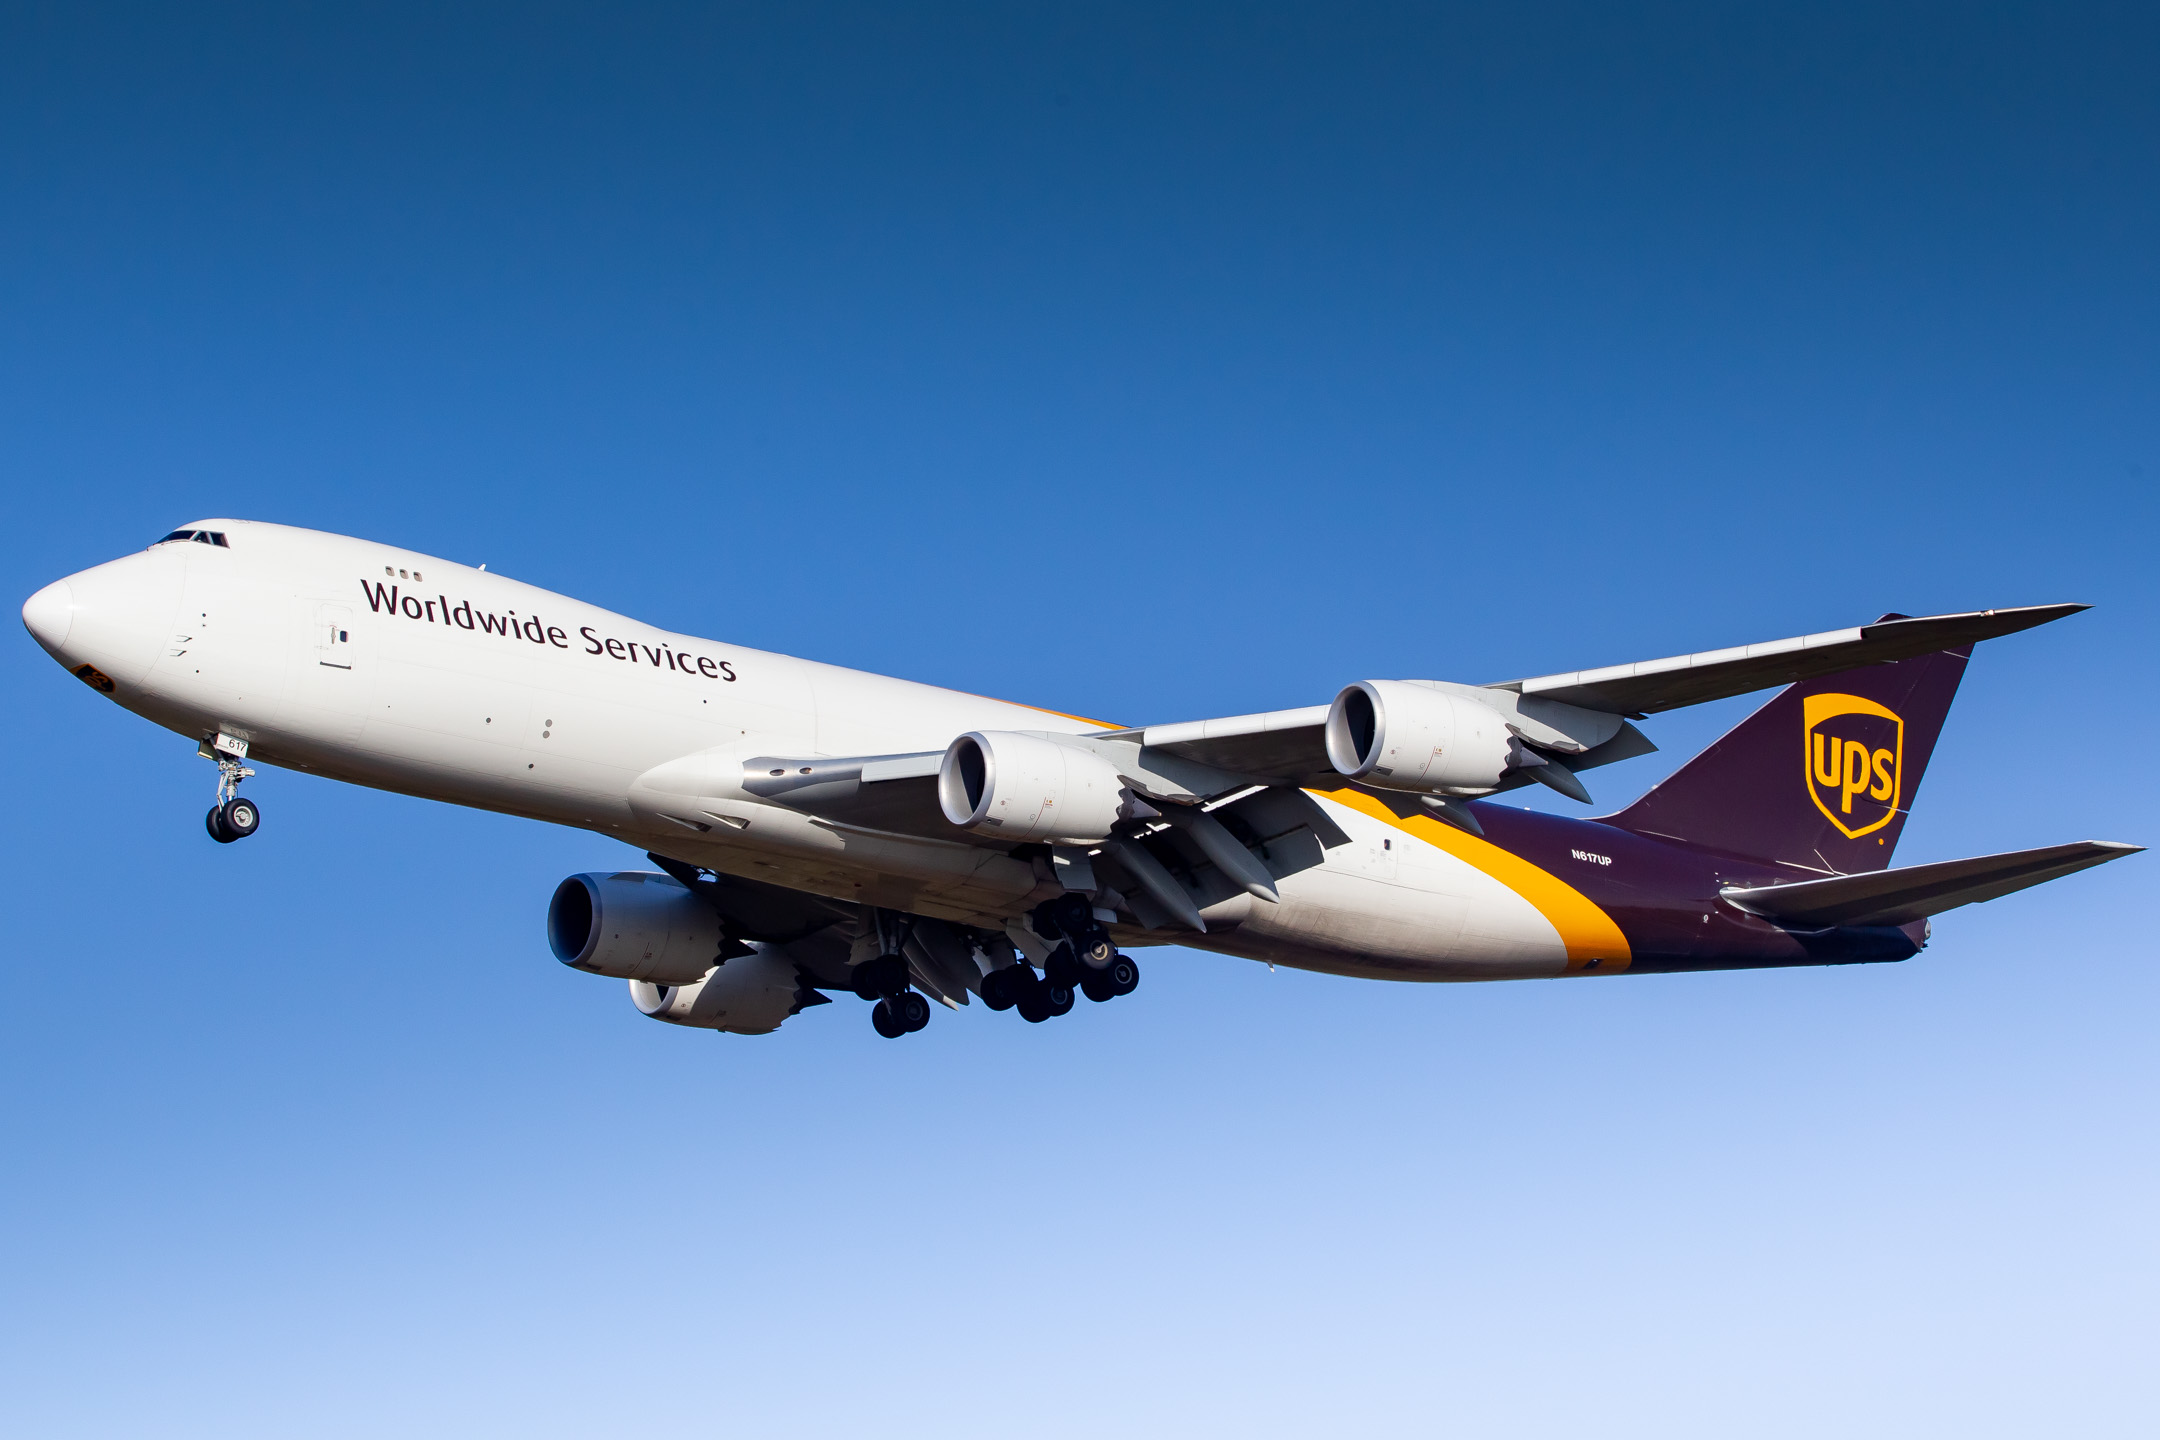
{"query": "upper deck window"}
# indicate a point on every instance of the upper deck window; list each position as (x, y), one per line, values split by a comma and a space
(200, 537)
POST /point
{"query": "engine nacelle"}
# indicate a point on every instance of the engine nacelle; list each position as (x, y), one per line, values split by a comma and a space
(1398, 735)
(633, 925)
(1029, 787)
(749, 995)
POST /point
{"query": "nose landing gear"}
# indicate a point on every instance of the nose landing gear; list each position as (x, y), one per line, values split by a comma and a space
(232, 818)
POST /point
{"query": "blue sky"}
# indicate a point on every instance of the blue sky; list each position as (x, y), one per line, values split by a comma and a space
(1150, 363)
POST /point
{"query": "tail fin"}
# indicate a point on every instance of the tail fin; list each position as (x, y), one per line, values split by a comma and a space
(1821, 777)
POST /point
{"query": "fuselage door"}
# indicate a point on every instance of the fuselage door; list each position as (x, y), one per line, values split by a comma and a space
(333, 636)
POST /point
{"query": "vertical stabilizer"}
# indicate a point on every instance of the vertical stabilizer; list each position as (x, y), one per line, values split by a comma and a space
(1820, 777)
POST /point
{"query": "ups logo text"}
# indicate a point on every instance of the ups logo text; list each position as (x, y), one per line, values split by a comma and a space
(1853, 751)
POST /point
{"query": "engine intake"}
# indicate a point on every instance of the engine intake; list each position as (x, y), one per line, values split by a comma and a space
(633, 925)
(1018, 786)
(1399, 735)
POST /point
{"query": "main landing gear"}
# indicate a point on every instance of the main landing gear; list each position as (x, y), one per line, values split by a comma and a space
(1119, 977)
(899, 1010)
(901, 1014)
(232, 818)
(1018, 987)
(1083, 960)
(1038, 997)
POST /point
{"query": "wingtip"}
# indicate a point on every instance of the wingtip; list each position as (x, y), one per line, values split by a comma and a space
(2010, 619)
(2041, 614)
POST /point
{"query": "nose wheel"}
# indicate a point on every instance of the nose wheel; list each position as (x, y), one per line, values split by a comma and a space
(232, 818)
(236, 819)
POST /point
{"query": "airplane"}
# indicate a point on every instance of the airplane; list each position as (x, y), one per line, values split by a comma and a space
(817, 831)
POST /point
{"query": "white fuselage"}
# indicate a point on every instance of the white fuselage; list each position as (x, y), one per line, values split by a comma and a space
(379, 666)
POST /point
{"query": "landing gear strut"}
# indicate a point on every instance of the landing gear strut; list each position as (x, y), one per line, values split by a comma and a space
(1072, 917)
(232, 818)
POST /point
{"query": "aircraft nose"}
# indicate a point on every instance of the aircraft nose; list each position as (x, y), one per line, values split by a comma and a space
(109, 623)
(49, 615)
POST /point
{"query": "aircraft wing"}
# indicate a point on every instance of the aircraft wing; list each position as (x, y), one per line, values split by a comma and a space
(1899, 897)
(1649, 686)
(1289, 745)
(1275, 744)
(1197, 760)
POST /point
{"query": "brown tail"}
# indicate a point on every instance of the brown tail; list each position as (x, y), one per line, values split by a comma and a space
(1821, 777)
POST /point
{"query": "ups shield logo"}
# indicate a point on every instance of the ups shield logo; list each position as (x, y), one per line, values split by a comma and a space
(1854, 751)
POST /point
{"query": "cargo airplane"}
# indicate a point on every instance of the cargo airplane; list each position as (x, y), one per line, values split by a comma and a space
(818, 831)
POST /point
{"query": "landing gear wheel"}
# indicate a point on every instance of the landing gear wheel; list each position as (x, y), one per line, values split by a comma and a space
(1062, 968)
(1096, 986)
(1095, 948)
(214, 822)
(1059, 998)
(885, 1022)
(997, 988)
(1033, 1003)
(911, 1009)
(1122, 976)
(239, 817)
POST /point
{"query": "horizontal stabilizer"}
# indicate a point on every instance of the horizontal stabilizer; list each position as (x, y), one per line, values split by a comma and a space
(1898, 897)
(1649, 686)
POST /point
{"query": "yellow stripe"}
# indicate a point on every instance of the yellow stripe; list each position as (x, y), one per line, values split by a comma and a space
(1098, 724)
(1046, 710)
(1589, 934)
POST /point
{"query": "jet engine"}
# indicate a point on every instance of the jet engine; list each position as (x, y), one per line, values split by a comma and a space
(1399, 735)
(633, 925)
(1018, 786)
(748, 995)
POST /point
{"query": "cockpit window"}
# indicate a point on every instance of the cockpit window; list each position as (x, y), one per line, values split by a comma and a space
(200, 537)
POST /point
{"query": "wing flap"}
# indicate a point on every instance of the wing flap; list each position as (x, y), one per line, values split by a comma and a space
(1899, 897)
